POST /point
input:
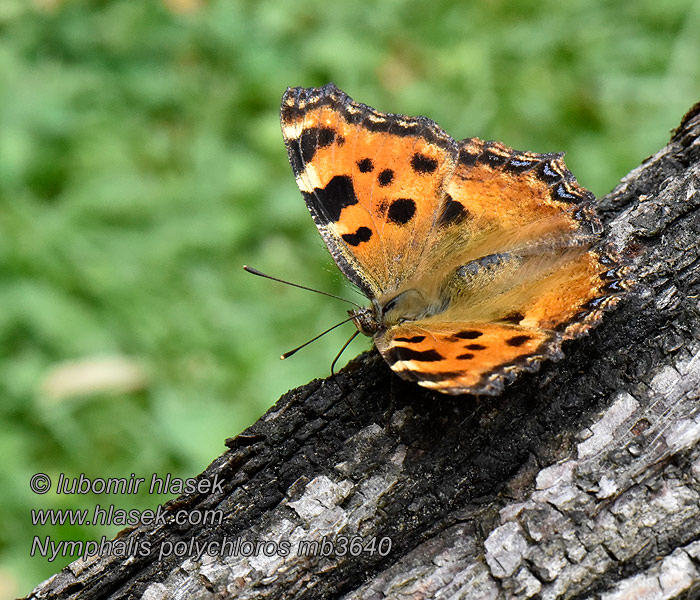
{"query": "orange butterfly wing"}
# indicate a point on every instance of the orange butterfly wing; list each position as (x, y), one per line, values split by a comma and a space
(373, 182)
(454, 357)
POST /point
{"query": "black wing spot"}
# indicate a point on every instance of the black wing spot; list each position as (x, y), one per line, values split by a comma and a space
(363, 234)
(332, 199)
(613, 286)
(314, 138)
(398, 353)
(365, 165)
(452, 212)
(513, 318)
(547, 173)
(491, 158)
(465, 356)
(475, 347)
(437, 377)
(326, 136)
(469, 334)
(423, 164)
(518, 165)
(401, 211)
(564, 195)
(385, 177)
(295, 157)
(518, 340)
(467, 158)
(615, 273)
(595, 303)
(411, 340)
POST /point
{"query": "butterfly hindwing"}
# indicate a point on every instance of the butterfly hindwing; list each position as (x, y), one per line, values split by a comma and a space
(468, 357)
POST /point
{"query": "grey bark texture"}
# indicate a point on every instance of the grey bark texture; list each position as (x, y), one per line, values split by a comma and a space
(580, 481)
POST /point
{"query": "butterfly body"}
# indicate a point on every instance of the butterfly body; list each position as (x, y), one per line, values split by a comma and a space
(478, 260)
(382, 314)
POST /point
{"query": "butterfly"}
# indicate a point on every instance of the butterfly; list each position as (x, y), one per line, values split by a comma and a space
(478, 260)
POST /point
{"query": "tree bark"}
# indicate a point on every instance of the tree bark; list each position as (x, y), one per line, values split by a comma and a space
(581, 480)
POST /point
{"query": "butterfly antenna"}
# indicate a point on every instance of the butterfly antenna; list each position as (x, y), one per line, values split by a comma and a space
(313, 339)
(303, 287)
(345, 345)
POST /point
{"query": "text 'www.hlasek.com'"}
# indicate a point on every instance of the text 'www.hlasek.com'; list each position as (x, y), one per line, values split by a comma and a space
(139, 544)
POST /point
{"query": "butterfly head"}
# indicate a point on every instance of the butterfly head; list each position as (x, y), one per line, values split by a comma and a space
(366, 319)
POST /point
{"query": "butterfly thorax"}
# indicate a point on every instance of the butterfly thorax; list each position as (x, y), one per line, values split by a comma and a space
(393, 309)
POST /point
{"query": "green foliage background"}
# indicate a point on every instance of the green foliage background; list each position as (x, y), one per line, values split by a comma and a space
(141, 165)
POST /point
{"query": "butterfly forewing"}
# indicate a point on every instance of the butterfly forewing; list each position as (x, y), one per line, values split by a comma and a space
(374, 182)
